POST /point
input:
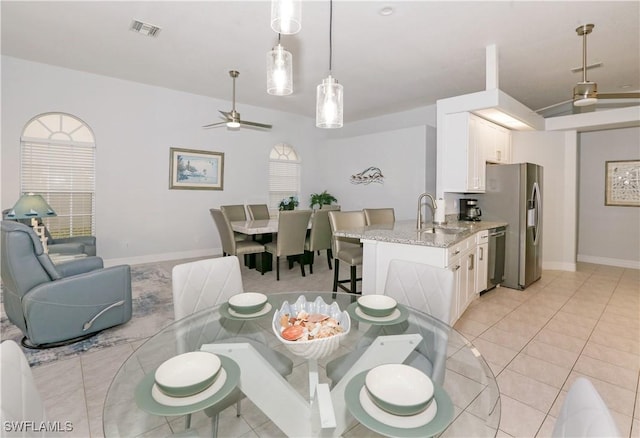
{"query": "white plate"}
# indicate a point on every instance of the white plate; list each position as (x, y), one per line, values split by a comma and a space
(266, 309)
(394, 315)
(399, 421)
(187, 373)
(166, 400)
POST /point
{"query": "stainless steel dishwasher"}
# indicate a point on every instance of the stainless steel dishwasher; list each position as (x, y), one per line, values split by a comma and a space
(496, 257)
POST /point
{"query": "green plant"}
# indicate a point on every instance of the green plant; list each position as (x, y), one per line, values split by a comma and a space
(289, 203)
(323, 198)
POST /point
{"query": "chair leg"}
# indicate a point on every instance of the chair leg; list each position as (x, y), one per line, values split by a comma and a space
(311, 257)
(301, 261)
(329, 257)
(335, 276)
(214, 426)
(353, 279)
(238, 413)
(277, 268)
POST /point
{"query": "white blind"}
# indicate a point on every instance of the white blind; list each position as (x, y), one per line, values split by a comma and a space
(284, 175)
(63, 172)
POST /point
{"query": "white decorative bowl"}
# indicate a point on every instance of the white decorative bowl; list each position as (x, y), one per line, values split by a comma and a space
(247, 302)
(399, 389)
(315, 348)
(187, 374)
(377, 305)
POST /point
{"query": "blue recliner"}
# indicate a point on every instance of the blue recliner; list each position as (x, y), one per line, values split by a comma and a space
(58, 304)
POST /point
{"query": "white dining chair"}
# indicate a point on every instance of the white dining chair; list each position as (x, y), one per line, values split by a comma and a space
(584, 414)
(427, 289)
(207, 283)
(20, 400)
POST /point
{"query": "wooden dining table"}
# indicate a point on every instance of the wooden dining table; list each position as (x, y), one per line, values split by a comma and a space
(305, 404)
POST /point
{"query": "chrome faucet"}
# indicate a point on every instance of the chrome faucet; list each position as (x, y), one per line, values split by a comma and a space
(433, 208)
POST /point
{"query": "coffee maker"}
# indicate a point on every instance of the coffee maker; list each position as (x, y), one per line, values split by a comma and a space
(469, 210)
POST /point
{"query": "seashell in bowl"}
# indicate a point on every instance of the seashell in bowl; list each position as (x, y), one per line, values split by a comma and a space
(315, 348)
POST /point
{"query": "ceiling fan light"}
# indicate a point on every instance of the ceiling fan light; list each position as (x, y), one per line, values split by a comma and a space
(585, 93)
(286, 16)
(329, 104)
(279, 72)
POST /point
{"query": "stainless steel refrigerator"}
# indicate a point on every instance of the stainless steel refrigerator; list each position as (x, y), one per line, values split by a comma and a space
(514, 195)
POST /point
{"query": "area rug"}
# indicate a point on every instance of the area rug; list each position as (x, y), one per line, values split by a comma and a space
(152, 308)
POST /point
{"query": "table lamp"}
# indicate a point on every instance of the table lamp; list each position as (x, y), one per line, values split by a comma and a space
(32, 206)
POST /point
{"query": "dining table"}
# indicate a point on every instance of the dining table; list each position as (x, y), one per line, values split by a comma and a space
(306, 403)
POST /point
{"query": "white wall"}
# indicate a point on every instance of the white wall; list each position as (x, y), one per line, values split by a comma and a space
(138, 219)
(557, 153)
(607, 234)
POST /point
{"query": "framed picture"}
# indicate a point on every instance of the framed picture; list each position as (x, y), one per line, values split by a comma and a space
(190, 169)
(622, 183)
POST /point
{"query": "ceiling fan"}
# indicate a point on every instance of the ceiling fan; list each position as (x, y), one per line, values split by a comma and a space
(232, 118)
(585, 93)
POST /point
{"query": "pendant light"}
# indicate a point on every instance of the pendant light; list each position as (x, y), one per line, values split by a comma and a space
(585, 92)
(286, 16)
(279, 71)
(329, 103)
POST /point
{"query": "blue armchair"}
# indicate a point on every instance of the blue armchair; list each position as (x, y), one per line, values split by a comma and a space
(58, 304)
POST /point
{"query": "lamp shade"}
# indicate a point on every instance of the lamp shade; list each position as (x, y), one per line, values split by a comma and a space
(329, 104)
(286, 16)
(31, 206)
(279, 72)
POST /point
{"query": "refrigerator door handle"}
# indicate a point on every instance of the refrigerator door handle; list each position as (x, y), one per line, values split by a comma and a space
(536, 209)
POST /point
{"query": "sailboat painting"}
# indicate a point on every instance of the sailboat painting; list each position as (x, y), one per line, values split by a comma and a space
(191, 169)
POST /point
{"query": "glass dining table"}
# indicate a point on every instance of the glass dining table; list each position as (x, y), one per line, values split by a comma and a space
(306, 403)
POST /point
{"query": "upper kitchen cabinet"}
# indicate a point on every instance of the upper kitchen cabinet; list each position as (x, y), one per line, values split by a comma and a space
(471, 141)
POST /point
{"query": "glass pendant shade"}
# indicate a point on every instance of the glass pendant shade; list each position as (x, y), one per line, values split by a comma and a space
(279, 72)
(329, 104)
(585, 93)
(286, 16)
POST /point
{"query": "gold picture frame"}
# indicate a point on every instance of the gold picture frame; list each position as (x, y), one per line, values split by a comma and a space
(622, 183)
(191, 169)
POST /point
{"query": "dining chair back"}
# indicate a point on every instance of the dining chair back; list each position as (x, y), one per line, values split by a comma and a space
(292, 233)
(346, 249)
(231, 246)
(319, 238)
(379, 216)
(335, 207)
(234, 212)
(584, 414)
(20, 401)
(258, 212)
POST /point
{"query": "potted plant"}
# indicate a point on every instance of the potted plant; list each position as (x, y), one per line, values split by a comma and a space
(323, 198)
(289, 203)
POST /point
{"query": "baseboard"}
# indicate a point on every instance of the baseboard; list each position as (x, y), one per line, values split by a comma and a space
(631, 264)
(154, 258)
(559, 266)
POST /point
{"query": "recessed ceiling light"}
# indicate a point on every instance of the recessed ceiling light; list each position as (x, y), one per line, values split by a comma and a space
(386, 11)
(145, 29)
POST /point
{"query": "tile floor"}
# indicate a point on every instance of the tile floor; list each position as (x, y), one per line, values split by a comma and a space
(537, 341)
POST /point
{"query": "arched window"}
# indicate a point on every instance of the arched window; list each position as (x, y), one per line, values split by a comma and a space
(284, 174)
(58, 162)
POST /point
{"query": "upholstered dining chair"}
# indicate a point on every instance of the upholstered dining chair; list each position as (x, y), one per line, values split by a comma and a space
(292, 233)
(379, 216)
(584, 414)
(258, 212)
(345, 249)
(56, 304)
(319, 238)
(235, 213)
(20, 400)
(207, 283)
(231, 246)
(425, 288)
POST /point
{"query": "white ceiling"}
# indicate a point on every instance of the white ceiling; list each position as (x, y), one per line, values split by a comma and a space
(424, 51)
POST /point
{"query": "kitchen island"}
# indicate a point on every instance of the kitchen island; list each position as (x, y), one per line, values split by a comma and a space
(455, 245)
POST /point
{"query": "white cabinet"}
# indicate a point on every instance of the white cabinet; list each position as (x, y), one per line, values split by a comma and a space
(482, 262)
(471, 141)
(463, 265)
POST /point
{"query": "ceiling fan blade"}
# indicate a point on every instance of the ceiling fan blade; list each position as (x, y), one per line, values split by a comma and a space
(258, 125)
(214, 124)
(630, 95)
(553, 106)
(226, 114)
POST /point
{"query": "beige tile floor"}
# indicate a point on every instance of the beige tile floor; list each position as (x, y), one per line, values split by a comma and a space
(537, 341)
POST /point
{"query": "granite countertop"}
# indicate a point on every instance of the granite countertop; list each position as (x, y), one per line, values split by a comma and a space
(405, 232)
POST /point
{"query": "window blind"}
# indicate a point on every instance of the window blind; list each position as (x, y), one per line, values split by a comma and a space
(284, 177)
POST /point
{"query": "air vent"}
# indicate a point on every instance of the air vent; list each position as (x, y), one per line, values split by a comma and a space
(144, 28)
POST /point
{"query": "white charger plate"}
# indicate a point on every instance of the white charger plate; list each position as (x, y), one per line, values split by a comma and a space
(228, 312)
(400, 314)
(167, 400)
